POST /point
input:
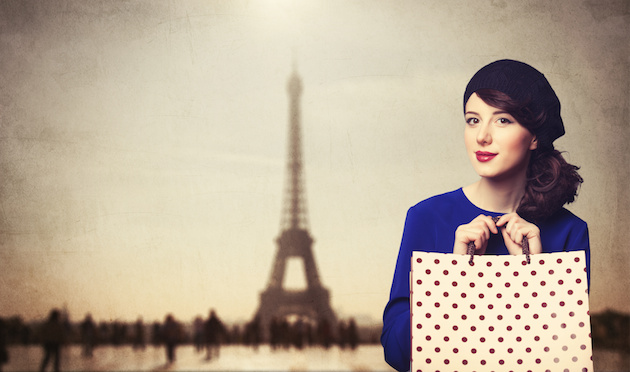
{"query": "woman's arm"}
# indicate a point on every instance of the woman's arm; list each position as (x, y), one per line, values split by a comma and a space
(578, 241)
(396, 335)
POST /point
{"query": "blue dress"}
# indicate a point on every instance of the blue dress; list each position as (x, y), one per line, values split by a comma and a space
(430, 227)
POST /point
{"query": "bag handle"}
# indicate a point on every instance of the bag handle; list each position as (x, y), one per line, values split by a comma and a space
(471, 247)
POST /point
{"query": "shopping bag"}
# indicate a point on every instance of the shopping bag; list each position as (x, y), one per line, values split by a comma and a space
(500, 313)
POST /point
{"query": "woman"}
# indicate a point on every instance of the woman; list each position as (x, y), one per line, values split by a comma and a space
(512, 117)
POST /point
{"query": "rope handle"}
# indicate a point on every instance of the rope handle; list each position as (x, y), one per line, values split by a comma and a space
(472, 248)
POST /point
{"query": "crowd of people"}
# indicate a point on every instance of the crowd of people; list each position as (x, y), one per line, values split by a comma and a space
(207, 335)
(302, 333)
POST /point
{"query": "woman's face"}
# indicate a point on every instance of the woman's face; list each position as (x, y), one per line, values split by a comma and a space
(498, 146)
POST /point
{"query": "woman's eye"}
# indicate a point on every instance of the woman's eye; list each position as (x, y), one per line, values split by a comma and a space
(472, 121)
(504, 121)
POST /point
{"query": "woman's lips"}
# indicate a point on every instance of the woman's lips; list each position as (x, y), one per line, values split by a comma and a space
(484, 156)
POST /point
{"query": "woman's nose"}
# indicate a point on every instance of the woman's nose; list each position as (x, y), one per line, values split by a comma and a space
(484, 135)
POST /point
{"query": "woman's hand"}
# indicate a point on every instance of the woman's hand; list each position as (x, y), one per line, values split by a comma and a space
(477, 231)
(514, 229)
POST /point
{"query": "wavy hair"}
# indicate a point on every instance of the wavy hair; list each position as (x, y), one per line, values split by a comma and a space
(551, 181)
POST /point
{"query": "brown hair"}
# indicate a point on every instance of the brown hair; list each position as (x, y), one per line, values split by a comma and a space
(551, 181)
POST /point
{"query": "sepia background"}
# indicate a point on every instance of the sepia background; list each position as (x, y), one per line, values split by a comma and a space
(143, 143)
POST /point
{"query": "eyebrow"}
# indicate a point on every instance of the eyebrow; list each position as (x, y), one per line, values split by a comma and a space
(494, 113)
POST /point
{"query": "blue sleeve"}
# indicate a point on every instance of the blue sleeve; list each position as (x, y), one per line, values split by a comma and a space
(579, 241)
(567, 232)
(396, 335)
(586, 241)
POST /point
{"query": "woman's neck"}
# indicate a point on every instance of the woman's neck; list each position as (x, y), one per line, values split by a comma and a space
(501, 197)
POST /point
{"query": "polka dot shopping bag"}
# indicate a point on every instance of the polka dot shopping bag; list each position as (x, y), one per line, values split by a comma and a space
(500, 313)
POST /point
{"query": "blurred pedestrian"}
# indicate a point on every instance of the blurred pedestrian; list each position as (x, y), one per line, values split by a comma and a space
(353, 334)
(253, 334)
(138, 340)
(52, 335)
(324, 333)
(198, 333)
(214, 330)
(342, 336)
(4, 352)
(171, 336)
(88, 334)
(156, 334)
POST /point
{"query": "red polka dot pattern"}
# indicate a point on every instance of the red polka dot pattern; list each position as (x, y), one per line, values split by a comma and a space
(500, 314)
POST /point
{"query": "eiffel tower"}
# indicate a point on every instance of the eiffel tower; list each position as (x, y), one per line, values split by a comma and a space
(311, 304)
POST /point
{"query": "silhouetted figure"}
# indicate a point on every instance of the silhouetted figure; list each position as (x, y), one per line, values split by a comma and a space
(342, 337)
(119, 333)
(280, 333)
(310, 337)
(138, 339)
(88, 335)
(235, 336)
(171, 335)
(352, 334)
(274, 332)
(198, 333)
(298, 333)
(103, 333)
(256, 333)
(285, 333)
(324, 333)
(4, 352)
(213, 331)
(156, 334)
(253, 335)
(52, 334)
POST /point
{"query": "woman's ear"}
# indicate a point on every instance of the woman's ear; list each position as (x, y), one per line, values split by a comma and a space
(534, 144)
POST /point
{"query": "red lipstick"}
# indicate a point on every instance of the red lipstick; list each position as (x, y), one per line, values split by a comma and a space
(484, 156)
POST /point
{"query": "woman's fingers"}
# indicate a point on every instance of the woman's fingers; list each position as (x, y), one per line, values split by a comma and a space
(515, 229)
(477, 231)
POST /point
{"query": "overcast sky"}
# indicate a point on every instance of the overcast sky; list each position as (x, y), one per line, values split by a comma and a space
(143, 144)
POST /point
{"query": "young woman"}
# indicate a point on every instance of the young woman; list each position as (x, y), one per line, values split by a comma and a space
(512, 117)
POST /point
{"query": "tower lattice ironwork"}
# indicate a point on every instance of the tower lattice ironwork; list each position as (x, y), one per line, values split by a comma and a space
(276, 302)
